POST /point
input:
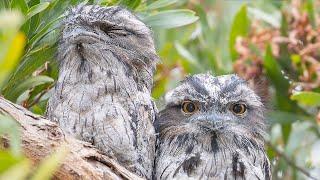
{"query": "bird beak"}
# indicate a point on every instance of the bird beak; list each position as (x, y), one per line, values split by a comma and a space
(212, 121)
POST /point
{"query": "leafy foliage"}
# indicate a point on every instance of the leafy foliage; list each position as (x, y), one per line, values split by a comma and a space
(276, 42)
(282, 50)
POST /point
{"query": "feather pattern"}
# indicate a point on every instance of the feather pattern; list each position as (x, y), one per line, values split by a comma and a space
(106, 64)
(213, 142)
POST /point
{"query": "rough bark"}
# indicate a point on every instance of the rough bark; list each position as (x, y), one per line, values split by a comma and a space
(41, 137)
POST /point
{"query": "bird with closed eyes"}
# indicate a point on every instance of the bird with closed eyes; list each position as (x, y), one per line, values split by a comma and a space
(106, 62)
(212, 128)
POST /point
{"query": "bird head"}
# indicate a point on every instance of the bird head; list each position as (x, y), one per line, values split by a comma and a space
(206, 105)
(100, 36)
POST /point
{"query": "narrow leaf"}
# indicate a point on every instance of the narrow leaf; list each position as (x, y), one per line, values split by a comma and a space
(45, 30)
(311, 14)
(12, 57)
(187, 55)
(160, 3)
(37, 9)
(132, 4)
(27, 84)
(171, 18)
(21, 5)
(307, 98)
(284, 117)
(274, 71)
(272, 19)
(19, 171)
(239, 27)
(7, 160)
(34, 60)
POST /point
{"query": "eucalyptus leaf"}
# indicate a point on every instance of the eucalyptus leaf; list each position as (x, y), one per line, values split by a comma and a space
(34, 60)
(11, 57)
(240, 27)
(307, 98)
(187, 55)
(311, 12)
(37, 9)
(284, 117)
(18, 171)
(27, 84)
(274, 71)
(21, 5)
(4, 4)
(160, 3)
(7, 160)
(42, 32)
(132, 4)
(171, 18)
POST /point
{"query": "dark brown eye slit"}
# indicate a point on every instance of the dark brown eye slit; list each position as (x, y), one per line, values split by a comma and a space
(238, 108)
(189, 107)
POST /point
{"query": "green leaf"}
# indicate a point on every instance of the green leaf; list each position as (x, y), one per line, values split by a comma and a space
(21, 5)
(132, 4)
(295, 58)
(50, 164)
(159, 89)
(240, 27)
(11, 56)
(4, 4)
(41, 33)
(284, 29)
(33, 61)
(33, 2)
(171, 18)
(12, 43)
(19, 171)
(37, 110)
(286, 131)
(160, 3)
(272, 19)
(7, 160)
(310, 9)
(281, 84)
(284, 117)
(37, 9)
(307, 98)
(274, 71)
(187, 55)
(27, 84)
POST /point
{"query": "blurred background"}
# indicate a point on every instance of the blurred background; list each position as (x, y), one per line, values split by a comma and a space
(274, 44)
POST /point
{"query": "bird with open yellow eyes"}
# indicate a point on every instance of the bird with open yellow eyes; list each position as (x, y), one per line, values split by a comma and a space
(212, 128)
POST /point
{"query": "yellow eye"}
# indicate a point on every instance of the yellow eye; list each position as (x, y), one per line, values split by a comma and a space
(238, 108)
(189, 107)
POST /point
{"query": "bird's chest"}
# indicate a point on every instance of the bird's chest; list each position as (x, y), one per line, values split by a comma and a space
(197, 161)
(85, 103)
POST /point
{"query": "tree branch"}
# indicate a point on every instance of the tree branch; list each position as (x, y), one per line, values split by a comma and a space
(40, 137)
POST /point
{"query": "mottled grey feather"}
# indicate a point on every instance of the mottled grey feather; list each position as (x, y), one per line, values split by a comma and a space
(107, 60)
(213, 143)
